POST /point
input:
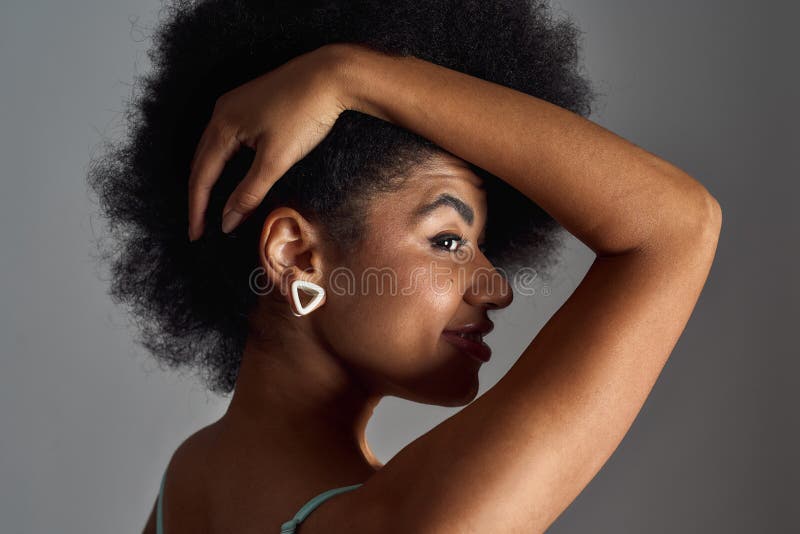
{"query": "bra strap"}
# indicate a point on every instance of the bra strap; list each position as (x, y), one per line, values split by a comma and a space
(159, 506)
(289, 526)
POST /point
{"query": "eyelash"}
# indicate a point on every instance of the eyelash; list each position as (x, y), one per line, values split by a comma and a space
(448, 237)
(453, 237)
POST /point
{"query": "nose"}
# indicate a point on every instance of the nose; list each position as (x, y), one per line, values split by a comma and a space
(489, 288)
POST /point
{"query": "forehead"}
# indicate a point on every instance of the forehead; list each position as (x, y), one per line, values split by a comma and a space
(441, 181)
(446, 165)
(443, 172)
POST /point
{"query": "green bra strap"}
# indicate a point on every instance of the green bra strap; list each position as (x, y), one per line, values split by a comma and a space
(159, 513)
(286, 528)
(289, 526)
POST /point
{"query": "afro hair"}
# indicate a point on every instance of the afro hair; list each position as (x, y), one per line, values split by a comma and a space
(191, 300)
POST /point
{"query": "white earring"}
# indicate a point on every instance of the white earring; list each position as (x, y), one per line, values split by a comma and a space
(310, 288)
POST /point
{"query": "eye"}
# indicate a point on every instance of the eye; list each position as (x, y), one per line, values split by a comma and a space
(449, 242)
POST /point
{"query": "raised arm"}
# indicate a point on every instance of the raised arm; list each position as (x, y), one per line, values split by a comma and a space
(517, 456)
(612, 195)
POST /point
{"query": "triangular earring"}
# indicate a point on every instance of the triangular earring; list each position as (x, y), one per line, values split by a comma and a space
(310, 288)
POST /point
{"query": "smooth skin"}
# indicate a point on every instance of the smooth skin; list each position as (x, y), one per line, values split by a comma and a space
(518, 455)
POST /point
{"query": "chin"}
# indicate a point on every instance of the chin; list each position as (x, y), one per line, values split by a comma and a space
(450, 391)
(465, 398)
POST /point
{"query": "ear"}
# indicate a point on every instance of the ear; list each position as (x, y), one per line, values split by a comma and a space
(291, 248)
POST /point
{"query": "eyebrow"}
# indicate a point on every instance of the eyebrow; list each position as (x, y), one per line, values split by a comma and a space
(445, 199)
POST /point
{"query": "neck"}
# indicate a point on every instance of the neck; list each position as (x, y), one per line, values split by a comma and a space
(292, 393)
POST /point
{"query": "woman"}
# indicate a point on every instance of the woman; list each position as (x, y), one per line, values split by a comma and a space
(443, 143)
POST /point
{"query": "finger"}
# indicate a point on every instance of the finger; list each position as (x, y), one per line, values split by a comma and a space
(263, 173)
(197, 196)
(215, 148)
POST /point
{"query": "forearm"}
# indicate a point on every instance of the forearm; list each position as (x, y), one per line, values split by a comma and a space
(609, 193)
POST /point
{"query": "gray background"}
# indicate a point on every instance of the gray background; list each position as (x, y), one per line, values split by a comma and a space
(88, 421)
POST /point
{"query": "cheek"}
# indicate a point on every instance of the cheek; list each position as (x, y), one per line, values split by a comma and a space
(392, 339)
(392, 322)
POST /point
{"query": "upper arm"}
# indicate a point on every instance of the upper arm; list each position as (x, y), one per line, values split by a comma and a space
(518, 455)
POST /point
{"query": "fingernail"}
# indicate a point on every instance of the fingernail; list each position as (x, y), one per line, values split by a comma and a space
(230, 220)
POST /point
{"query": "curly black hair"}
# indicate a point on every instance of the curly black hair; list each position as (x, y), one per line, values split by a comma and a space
(191, 301)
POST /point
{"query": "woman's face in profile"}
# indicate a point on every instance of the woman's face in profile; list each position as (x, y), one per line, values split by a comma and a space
(412, 279)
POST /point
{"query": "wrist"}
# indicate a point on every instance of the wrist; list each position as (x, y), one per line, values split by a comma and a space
(351, 65)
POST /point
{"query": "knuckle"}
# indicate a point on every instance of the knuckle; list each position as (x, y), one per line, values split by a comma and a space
(275, 161)
(221, 102)
(246, 201)
(266, 169)
(196, 188)
(221, 133)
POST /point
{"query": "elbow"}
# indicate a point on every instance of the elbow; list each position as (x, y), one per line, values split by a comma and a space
(716, 214)
(708, 220)
(692, 224)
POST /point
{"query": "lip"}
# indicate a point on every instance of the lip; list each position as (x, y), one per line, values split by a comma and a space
(480, 351)
(483, 327)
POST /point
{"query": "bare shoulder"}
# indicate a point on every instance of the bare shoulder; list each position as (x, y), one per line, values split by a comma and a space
(185, 494)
